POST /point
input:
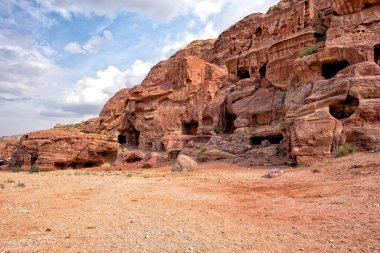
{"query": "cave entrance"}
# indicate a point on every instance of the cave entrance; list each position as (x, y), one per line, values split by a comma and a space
(377, 54)
(133, 159)
(190, 128)
(122, 139)
(229, 125)
(33, 159)
(345, 109)
(84, 164)
(243, 73)
(60, 166)
(130, 137)
(259, 32)
(273, 139)
(329, 70)
(263, 71)
(2, 162)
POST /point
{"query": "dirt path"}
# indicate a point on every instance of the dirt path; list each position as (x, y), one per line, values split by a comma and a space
(219, 208)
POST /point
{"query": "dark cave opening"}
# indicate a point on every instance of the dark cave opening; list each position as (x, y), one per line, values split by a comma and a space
(259, 32)
(229, 123)
(60, 166)
(33, 159)
(90, 164)
(2, 162)
(190, 128)
(129, 137)
(133, 159)
(122, 139)
(368, 5)
(81, 165)
(243, 74)
(329, 70)
(273, 139)
(263, 70)
(320, 37)
(345, 109)
(377, 54)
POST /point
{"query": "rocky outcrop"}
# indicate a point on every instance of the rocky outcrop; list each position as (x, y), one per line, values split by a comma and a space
(287, 86)
(8, 145)
(185, 164)
(63, 148)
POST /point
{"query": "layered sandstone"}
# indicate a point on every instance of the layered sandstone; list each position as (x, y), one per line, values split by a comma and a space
(63, 148)
(289, 85)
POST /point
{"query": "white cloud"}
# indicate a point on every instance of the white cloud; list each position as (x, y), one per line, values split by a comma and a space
(24, 69)
(162, 10)
(74, 48)
(171, 45)
(89, 94)
(204, 9)
(93, 45)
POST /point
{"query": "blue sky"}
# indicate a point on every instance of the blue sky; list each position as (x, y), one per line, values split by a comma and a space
(60, 61)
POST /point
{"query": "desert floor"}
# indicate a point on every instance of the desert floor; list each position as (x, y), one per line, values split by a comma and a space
(332, 206)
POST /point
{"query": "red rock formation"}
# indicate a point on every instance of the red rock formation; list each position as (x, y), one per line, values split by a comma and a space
(63, 148)
(294, 83)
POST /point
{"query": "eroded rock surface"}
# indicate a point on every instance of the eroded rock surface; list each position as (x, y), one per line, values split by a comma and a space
(289, 85)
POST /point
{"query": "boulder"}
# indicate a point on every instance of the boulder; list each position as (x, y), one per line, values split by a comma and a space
(186, 163)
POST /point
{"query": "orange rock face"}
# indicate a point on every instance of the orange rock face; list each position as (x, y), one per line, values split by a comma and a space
(289, 85)
(63, 149)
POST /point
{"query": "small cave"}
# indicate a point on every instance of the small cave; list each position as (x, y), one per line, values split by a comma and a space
(229, 127)
(190, 128)
(2, 162)
(263, 71)
(130, 137)
(84, 164)
(320, 37)
(367, 5)
(91, 164)
(243, 73)
(33, 159)
(60, 166)
(345, 109)
(329, 70)
(207, 121)
(133, 159)
(259, 32)
(273, 139)
(377, 54)
(122, 139)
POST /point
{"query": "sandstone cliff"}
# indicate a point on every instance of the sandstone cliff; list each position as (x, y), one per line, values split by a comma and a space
(287, 86)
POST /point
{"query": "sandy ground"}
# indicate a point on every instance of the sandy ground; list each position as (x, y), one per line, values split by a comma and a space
(218, 208)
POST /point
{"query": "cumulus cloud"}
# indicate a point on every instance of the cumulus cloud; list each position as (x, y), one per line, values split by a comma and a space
(204, 9)
(94, 44)
(172, 44)
(89, 94)
(24, 69)
(163, 9)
